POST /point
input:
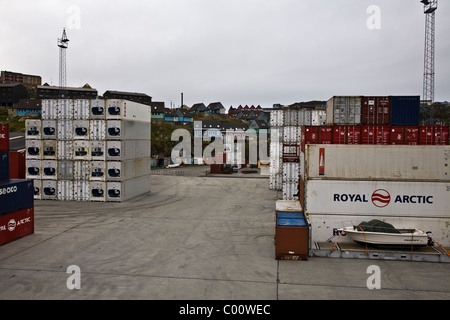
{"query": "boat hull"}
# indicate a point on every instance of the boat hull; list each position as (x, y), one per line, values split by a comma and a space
(416, 238)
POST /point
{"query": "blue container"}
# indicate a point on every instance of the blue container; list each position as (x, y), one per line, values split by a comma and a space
(405, 110)
(290, 215)
(291, 222)
(4, 165)
(15, 195)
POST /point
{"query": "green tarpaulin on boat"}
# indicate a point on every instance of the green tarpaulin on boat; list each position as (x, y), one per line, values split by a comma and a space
(377, 226)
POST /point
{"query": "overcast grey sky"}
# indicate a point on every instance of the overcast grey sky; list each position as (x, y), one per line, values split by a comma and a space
(256, 52)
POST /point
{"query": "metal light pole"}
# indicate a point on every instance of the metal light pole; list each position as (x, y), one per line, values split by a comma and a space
(63, 44)
(430, 7)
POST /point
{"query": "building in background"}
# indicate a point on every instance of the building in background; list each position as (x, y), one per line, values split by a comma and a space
(51, 92)
(30, 82)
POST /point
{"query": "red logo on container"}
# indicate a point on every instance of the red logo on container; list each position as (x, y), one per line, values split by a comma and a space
(381, 198)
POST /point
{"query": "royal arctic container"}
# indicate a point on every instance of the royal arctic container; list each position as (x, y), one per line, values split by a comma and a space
(65, 130)
(404, 135)
(97, 191)
(81, 190)
(33, 129)
(4, 138)
(97, 110)
(81, 150)
(346, 134)
(128, 189)
(65, 190)
(4, 165)
(15, 195)
(50, 169)
(81, 170)
(81, 129)
(65, 109)
(16, 225)
(98, 171)
(375, 134)
(17, 167)
(434, 135)
(128, 169)
(65, 170)
(375, 110)
(344, 110)
(49, 190)
(378, 162)
(127, 130)
(33, 149)
(97, 130)
(97, 150)
(117, 109)
(33, 169)
(49, 150)
(405, 110)
(65, 149)
(81, 109)
(37, 189)
(127, 149)
(49, 109)
(381, 198)
(49, 129)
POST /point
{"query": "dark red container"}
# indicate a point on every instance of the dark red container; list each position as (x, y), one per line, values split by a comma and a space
(309, 135)
(375, 110)
(16, 225)
(433, 135)
(346, 134)
(17, 165)
(325, 134)
(441, 134)
(375, 134)
(405, 135)
(4, 138)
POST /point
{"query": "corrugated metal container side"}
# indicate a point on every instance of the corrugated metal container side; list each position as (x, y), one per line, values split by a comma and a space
(375, 110)
(344, 110)
(376, 134)
(129, 169)
(4, 138)
(405, 135)
(276, 135)
(346, 134)
(405, 110)
(49, 190)
(318, 118)
(81, 150)
(81, 109)
(97, 191)
(127, 150)
(49, 129)
(4, 165)
(291, 134)
(309, 134)
(65, 109)
(33, 169)
(81, 191)
(97, 150)
(65, 170)
(33, 129)
(291, 172)
(17, 165)
(33, 149)
(49, 109)
(98, 171)
(15, 195)
(378, 162)
(37, 189)
(324, 227)
(275, 181)
(49, 149)
(65, 190)
(81, 130)
(50, 169)
(290, 117)
(288, 206)
(127, 110)
(276, 118)
(434, 135)
(305, 117)
(382, 198)
(16, 225)
(291, 191)
(65, 130)
(127, 130)
(81, 170)
(65, 149)
(128, 189)
(97, 109)
(97, 130)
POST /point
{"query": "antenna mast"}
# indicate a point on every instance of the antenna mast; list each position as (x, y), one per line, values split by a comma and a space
(430, 7)
(63, 44)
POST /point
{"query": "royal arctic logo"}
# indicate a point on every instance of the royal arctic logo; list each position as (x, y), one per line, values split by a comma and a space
(12, 225)
(381, 198)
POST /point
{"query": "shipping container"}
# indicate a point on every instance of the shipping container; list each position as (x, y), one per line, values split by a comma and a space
(127, 110)
(81, 150)
(4, 138)
(275, 181)
(375, 134)
(375, 110)
(81, 130)
(65, 109)
(97, 109)
(17, 165)
(98, 171)
(276, 135)
(65, 150)
(291, 172)
(404, 135)
(81, 109)
(288, 206)
(65, 190)
(434, 135)
(97, 130)
(128, 189)
(346, 134)
(291, 153)
(65, 170)
(292, 243)
(381, 198)
(49, 109)
(127, 150)
(16, 225)
(291, 191)
(81, 190)
(37, 189)
(49, 129)
(305, 117)
(4, 165)
(318, 118)
(276, 118)
(97, 191)
(129, 169)
(405, 110)
(378, 162)
(33, 149)
(49, 169)
(49, 149)
(344, 110)
(309, 134)
(33, 129)
(49, 190)
(127, 130)
(97, 150)
(325, 227)
(15, 195)
(290, 117)
(81, 170)
(291, 134)
(65, 129)
(33, 169)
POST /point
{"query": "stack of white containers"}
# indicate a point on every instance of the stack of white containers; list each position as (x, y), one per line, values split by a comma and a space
(89, 150)
(276, 147)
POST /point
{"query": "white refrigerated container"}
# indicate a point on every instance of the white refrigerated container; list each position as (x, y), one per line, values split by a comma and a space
(127, 130)
(117, 109)
(128, 189)
(128, 169)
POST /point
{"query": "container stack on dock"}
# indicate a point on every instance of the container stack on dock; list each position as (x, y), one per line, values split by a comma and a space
(89, 150)
(16, 198)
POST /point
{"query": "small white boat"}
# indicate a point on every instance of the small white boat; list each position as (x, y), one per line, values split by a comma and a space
(382, 236)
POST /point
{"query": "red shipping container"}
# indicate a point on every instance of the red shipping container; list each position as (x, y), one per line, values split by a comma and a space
(346, 134)
(375, 134)
(17, 165)
(434, 135)
(4, 138)
(325, 135)
(309, 135)
(401, 135)
(441, 135)
(375, 110)
(16, 225)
